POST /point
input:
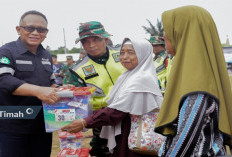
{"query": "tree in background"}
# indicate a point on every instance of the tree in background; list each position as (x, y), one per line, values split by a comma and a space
(60, 50)
(226, 45)
(152, 30)
(75, 50)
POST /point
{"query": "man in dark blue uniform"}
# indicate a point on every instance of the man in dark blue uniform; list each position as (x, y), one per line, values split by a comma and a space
(26, 80)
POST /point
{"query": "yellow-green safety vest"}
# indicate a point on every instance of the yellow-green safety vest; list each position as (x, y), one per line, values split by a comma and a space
(100, 76)
(163, 66)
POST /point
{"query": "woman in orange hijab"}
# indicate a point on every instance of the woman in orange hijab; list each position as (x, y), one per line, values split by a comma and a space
(196, 113)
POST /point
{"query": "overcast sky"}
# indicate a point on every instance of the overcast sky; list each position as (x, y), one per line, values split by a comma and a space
(121, 18)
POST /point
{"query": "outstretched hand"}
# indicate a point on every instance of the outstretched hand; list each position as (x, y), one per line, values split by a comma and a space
(75, 126)
(48, 94)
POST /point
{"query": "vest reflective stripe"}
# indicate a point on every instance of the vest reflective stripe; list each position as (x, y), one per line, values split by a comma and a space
(4, 70)
(162, 72)
(100, 77)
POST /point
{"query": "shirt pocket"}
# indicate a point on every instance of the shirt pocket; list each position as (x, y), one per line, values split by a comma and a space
(25, 68)
(24, 71)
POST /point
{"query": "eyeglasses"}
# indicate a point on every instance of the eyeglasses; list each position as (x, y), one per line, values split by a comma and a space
(32, 29)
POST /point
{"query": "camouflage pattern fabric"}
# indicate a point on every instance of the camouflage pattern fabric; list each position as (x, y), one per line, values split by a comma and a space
(92, 28)
(68, 78)
(156, 40)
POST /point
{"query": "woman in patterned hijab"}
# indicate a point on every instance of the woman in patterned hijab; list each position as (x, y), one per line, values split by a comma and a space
(196, 113)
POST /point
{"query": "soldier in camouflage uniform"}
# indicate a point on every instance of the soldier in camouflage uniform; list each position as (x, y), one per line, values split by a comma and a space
(161, 60)
(99, 68)
(65, 73)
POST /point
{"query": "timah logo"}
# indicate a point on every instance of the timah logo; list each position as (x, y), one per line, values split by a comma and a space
(19, 112)
(5, 114)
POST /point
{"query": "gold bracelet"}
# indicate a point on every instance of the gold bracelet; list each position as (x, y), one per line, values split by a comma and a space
(82, 121)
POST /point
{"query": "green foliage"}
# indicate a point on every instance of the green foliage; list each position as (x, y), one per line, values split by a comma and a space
(225, 45)
(154, 30)
(60, 50)
(74, 50)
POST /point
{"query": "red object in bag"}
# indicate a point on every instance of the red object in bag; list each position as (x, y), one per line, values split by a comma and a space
(66, 135)
(79, 90)
(66, 152)
(84, 152)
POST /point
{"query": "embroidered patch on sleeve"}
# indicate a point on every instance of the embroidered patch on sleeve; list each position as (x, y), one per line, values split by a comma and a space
(5, 60)
(116, 56)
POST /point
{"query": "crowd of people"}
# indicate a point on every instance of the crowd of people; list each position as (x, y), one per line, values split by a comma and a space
(186, 82)
(61, 71)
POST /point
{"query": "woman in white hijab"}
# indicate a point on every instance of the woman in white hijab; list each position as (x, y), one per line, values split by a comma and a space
(135, 92)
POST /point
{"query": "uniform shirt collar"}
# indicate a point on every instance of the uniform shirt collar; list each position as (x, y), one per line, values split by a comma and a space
(159, 55)
(71, 65)
(102, 59)
(22, 49)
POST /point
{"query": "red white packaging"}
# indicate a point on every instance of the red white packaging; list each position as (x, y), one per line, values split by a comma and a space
(66, 135)
(66, 152)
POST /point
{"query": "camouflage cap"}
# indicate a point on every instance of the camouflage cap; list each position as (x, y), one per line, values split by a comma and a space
(92, 28)
(69, 57)
(156, 40)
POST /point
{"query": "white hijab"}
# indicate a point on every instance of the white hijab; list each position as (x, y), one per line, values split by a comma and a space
(136, 91)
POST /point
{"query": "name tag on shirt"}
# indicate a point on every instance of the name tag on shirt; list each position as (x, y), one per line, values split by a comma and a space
(46, 62)
(23, 62)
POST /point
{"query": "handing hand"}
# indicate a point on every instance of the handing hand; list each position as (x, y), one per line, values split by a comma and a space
(47, 94)
(67, 86)
(75, 126)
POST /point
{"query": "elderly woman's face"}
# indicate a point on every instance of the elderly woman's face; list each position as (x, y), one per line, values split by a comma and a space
(168, 46)
(128, 57)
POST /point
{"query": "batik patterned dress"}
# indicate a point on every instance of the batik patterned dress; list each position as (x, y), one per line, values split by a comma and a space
(197, 129)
